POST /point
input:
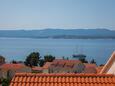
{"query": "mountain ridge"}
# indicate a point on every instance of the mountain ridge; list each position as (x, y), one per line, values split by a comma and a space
(59, 33)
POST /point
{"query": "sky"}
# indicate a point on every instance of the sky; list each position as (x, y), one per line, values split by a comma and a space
(62, 14)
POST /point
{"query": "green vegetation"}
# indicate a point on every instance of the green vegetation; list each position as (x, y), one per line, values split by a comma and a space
(5, 82)
(48, 58)
(83, 60)
(41, 62)
(14, 62)
(101, 65)
(32, 59)
(93, 61)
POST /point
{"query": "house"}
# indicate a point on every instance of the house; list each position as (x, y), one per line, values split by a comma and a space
(99, 68)
(46, 67)
(109, 67)
(2, 60)
(66, 66)
(90, 68)
(60, 79)
(9, 70)
(37, 69)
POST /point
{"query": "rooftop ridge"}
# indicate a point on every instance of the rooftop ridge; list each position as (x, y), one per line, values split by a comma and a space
(109, 63)
(62, 79)
(65, 74)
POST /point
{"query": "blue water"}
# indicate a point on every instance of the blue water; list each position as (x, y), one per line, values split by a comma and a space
(19, 48)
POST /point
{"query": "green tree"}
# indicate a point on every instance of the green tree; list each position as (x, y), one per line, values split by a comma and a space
(67, 58)
(101, 65)
(93, 61)
(5, 82)
(41, 62)
(32, 59)
(14, 62)
(83, 60)
(49, 58)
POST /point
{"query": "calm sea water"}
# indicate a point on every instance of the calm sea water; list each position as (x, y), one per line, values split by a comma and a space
(19, 48)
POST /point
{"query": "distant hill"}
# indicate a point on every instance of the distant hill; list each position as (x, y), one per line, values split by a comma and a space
(59, 33)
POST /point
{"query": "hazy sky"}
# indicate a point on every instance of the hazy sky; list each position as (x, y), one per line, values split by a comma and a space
(39, 14)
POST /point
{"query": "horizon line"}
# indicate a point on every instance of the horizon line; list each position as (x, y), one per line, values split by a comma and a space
(26, 29)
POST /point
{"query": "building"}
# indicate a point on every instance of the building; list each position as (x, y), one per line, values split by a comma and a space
(37, 70)
(99, 68)
(66, 66)
(46, 67)
(90, 68)
(109, 67)
(66, 79)
(9, 70)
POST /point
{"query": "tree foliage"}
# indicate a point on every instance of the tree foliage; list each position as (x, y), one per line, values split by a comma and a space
(93, 61)
(32, 59)
(101, 65)
(48, 58)
(83, 60)
(5, 82)
(41, 62)
(14, 62)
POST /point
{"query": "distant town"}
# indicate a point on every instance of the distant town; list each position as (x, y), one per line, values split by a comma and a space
(57, 42)
(34, 64)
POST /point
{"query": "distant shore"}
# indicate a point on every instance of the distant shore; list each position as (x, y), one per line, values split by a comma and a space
(60, 34)
(63, 37)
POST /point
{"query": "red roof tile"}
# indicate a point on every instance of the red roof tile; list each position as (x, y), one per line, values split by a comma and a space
(99, 68)
(67, 79)
(47, 65)
(61, 62)
(12, 66)
(90, 65)
(90, 68)
(37, 68)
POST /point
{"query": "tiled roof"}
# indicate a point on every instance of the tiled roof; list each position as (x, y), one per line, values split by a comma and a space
(37, 68)
(47, 65)
(69, 64)
(90, 68)
(99, 68)
(66, 66)
(61, 62)
(29, 79)
(90, 65)
(12, 66)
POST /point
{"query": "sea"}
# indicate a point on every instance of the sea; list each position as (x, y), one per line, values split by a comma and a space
(19, 48)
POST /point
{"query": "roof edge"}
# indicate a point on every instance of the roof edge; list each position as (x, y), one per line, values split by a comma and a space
(64, 74)
(108, 64)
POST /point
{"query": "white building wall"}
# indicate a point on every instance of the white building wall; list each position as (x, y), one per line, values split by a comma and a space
(112, 69)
